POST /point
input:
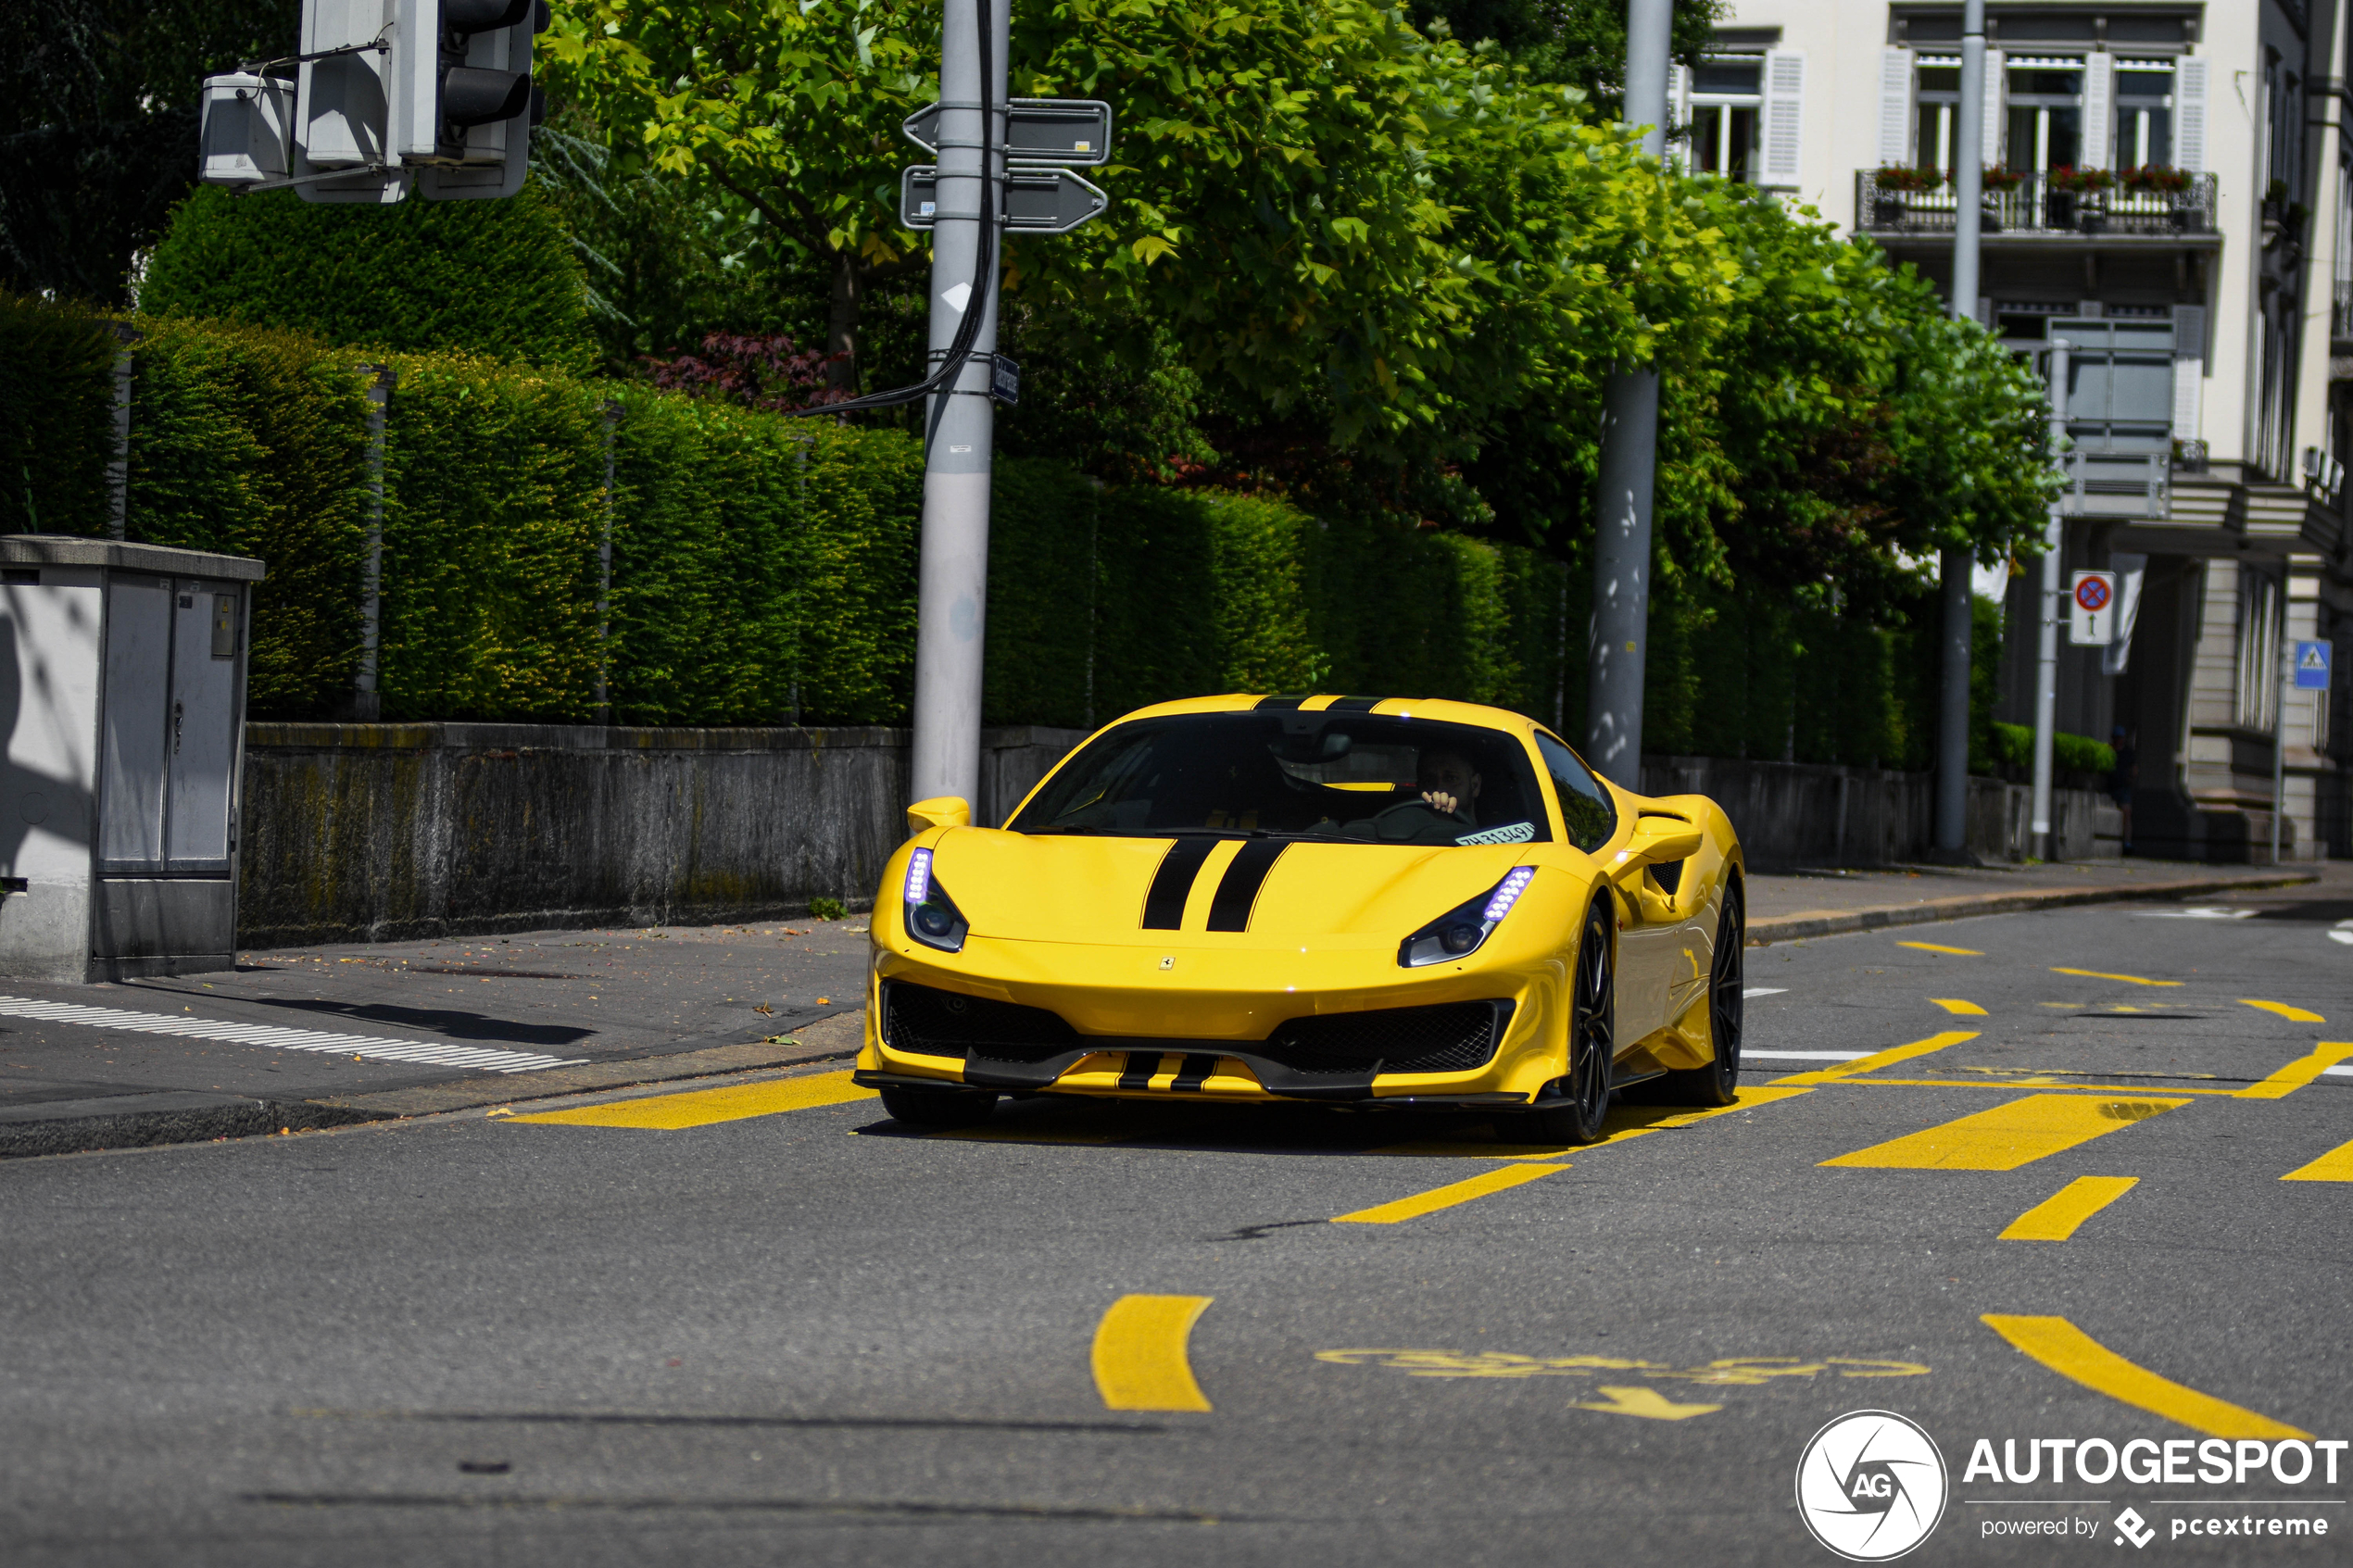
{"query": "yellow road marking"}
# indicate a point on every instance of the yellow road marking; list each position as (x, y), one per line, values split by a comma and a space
(1932, 948)
(1637, 1121)
(703, 1107)
(2073, 1354)
(1648, 1403)
(1139, 1353)
(2013, 1084)
(2337, 1165)
(2057, 1217)
(1955, 1005)
(1498, 1180)
(2007, 1136)
(2128, 979)
(2300, 1072)
(2294, 1015)
(1888, 1057)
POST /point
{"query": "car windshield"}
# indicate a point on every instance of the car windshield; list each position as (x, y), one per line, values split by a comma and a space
(1349, 775)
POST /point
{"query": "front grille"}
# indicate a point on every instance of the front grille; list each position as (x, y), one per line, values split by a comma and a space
(935, 1023)
(1455, 1037)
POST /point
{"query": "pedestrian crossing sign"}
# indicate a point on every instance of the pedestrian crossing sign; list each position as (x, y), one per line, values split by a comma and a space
(2311, 667)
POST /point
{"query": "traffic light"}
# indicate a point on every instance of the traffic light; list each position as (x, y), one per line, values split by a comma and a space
(387, 95)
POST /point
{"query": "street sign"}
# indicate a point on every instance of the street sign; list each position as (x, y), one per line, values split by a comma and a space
(1037, 131)
(1004, 380)
(2311, 667)
(1037, 201)
(2091, 619)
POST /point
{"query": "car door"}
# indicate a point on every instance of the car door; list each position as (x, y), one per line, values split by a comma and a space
(1646, 950)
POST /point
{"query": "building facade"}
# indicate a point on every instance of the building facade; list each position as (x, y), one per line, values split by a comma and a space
(2167, 192)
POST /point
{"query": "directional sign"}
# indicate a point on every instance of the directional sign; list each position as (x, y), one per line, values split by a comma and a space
(1037, 131)
(2311, 667)
(2091, 619)
(1037, 201)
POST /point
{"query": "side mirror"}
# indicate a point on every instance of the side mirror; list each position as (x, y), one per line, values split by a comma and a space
(939, 811)
(1656, 840)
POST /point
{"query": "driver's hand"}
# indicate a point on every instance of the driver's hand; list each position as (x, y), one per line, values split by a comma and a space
(1439, 800)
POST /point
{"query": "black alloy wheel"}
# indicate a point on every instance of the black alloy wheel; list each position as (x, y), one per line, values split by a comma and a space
(1727, 976)
(938, 1108)
(1578, 1103)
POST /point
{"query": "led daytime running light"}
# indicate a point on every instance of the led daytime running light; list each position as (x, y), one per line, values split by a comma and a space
(1508, 894)
(918, 876)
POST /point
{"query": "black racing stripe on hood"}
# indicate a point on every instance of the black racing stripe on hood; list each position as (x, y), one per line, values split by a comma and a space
(1238, 890)
(1173, 884)
(1355, 704)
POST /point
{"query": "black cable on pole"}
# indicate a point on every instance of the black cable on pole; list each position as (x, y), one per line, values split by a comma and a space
(985, 253)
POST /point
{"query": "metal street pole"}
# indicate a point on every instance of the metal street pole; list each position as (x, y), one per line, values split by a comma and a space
(2046, 650)
(1628, 468)
(1968, 180)
(2278, 733)
(959, 421)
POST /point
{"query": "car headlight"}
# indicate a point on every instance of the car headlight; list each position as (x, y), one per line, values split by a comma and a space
(1461, 930)
(931, 917)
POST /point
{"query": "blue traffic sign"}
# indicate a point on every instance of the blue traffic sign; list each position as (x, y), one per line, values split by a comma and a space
(2311, 667)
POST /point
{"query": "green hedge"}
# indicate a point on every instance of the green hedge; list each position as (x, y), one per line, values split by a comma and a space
(763, 569)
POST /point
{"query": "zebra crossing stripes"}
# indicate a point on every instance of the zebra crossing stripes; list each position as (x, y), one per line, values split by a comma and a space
(474, 1058)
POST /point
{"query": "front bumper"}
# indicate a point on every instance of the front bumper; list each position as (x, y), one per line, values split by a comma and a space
(1473, 1035)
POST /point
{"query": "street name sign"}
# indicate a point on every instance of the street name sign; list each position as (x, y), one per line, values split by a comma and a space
(1065, 131)
(2091, 610)
(1037, 201)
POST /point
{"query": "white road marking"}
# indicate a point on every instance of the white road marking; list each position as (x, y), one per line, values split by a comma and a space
(1765, 991)
(2339, 1072)
(2342, 931)
(471, 1058)
(1805, 1056)
(2207, 911)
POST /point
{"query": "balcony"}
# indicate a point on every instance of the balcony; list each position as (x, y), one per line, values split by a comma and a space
(2034, 210)
(2116, 484)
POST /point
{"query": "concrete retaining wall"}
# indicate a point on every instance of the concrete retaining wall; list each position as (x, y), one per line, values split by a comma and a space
(357, 833)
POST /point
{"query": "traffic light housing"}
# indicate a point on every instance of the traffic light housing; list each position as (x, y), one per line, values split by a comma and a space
(387, 95)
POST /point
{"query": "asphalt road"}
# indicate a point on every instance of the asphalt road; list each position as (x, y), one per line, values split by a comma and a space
(765, 1326)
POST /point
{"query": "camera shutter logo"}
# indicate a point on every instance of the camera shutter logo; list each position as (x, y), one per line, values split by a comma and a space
(1871, 1485)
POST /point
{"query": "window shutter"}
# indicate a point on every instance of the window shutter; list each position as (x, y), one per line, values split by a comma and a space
(2189, 115)
(1895, 79)
(1785, 114)
(1679, 108)
(2189, 368)
(2099, 117)
(1997, 98)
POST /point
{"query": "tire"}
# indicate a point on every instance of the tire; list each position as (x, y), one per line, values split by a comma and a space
(1581, 1099)
(1715, 1084)
(938, 1108)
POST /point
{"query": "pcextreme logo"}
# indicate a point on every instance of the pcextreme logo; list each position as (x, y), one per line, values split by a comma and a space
(1871, 1485)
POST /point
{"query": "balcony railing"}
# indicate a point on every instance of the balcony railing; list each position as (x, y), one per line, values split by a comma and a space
(2034, 208)
(2136, 484)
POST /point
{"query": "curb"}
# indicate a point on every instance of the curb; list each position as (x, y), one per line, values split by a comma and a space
(193, 1118)
(1792, 928)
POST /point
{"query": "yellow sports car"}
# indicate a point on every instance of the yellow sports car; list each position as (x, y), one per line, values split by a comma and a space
(1363, 901)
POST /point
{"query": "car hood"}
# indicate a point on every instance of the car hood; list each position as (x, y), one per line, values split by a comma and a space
(1019, 887)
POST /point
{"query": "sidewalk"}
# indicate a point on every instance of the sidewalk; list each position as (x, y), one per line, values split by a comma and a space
(304, 1039)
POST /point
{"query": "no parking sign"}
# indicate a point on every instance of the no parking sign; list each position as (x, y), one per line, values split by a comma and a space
(2091, 610)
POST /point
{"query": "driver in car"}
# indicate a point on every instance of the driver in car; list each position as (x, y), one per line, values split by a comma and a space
(1448, 785)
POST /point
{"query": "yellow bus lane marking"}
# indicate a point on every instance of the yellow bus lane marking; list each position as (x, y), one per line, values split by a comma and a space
(2057, 1217)
(1648, 1403)
(1636, 1121)
(2293, 1014)
(1729, 1371)
(1932, 948)
(1141, 1356)
(1501, 1179)
(1877, 1059)
(2128, 979)
(2013, 1085)
(2300, 1072)
(1955, 1005)
(701, 1108)
(2337, 1165)
(2075, 1355)
(2007, 1136)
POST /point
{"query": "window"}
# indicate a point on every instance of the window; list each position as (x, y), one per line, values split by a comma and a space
(1585, 808)
(2143, 113)
(2120, 384)
(2046, 125)
(1726, 95)
(1940, 101)
(2258, 692)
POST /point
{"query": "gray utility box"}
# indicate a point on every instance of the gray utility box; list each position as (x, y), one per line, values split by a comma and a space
(122, 697)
